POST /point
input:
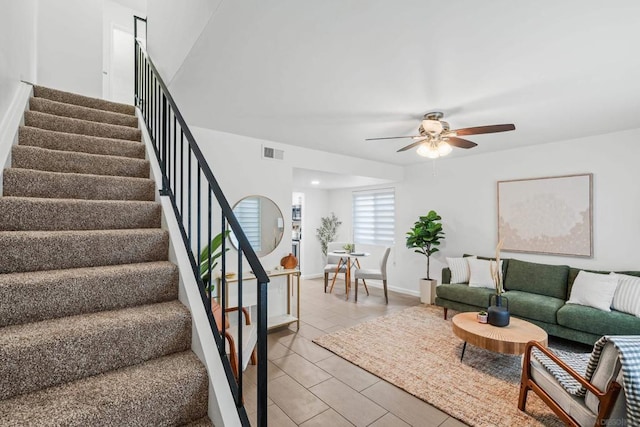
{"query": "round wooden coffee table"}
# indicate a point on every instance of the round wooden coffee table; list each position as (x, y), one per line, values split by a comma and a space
(510, 339)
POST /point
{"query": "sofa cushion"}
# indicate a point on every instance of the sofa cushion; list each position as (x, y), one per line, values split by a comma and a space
(505, 262)
(594, 290)
(480, 275)
(542, 279)
(534, 306)
(598, 322)
(478, 297)
(573, 273)
(459, 268)
(627, 296)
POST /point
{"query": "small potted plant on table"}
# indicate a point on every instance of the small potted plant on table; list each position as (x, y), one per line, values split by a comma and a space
(482, 317)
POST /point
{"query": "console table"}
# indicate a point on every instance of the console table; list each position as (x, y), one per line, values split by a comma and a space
(280, 319)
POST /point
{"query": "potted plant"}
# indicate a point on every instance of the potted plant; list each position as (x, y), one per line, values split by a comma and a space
(424, 238)
(213, 249)
(327, 231)
(482, 317)
(349, 247)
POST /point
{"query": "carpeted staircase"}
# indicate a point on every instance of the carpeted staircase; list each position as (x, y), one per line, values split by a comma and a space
(91, 330)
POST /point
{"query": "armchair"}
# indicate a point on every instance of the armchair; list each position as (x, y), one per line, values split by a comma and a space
(594, 398)
(249, 337)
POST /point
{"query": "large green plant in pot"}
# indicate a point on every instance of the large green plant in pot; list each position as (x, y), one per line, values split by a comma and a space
(210, 255)
(425, 236)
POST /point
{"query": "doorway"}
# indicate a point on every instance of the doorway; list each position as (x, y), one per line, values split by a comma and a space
(118, 52)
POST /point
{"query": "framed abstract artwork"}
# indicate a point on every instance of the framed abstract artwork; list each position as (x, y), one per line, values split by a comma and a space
(551, 215)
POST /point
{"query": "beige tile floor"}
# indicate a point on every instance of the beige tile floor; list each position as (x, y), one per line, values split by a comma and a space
(310, 386)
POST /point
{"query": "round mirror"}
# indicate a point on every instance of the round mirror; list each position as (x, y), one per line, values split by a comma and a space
(261, 221)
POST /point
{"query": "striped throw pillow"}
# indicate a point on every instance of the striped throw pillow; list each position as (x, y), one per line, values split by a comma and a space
(627, 296)
(459, 269)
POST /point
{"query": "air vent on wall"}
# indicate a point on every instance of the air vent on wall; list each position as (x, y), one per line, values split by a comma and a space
(272, 153)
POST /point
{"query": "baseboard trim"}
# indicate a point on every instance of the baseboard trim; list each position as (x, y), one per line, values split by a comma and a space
(11, 123)
(373, 283)
(378, 284)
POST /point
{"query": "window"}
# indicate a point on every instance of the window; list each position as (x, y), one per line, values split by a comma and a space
(374, 216)
(248, 213)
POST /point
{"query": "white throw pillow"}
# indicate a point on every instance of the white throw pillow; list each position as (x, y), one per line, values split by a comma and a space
(593, 290)
(459, 269)
(480, 273)
(627, 296)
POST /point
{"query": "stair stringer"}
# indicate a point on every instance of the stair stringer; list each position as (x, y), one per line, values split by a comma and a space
(10, 123)
(222, 408)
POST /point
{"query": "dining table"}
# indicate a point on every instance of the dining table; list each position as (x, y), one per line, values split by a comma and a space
(349, 260)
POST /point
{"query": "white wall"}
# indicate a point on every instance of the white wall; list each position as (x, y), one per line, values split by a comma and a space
(70, 45)
(464, 192)
(173, 28)
(117, 53)
(316, 205)
(17, 48)
(56, 43)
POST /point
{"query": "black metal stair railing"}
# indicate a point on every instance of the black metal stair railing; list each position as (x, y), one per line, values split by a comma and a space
(197, 199)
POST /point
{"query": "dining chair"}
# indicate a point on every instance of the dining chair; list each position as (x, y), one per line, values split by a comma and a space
(374, 273)
(592, 398)
(333, 262)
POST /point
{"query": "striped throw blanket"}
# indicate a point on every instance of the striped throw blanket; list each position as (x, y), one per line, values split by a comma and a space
(628, 347)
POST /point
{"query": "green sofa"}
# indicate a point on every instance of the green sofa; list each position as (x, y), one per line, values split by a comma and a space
(537, 293)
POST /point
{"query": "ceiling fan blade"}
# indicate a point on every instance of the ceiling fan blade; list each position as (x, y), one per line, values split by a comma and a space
(394, 137)
(413, 144)
(484, 129)
(460, 143)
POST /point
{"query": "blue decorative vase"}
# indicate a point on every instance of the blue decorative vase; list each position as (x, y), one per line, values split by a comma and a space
(498, 311)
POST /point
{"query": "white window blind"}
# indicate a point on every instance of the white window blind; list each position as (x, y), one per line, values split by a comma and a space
(248, 213)
(374, 216)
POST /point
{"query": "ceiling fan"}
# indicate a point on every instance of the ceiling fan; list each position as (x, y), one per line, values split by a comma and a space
(436, 138)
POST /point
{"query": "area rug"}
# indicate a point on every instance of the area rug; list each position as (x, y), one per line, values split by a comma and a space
(416, 350)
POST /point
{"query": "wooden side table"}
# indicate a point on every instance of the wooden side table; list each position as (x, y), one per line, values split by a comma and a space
(511, 339)
(280, 319)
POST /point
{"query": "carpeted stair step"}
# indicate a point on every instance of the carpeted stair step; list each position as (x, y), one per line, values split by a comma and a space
(82, 127)
(202, 422)
(63, 141)
(44, 105)
(41, 295)
(40, 214)
(37, 158)
(32, 183)
(171, 390)
(85, 101)
(57, 351)
(22, 251)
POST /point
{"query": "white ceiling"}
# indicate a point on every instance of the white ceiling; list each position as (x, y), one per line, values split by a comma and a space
(304, 178)
(328, 74)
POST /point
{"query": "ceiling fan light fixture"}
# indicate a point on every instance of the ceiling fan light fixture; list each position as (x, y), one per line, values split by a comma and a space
(432, 127)
(427, 150)
(444, 148)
